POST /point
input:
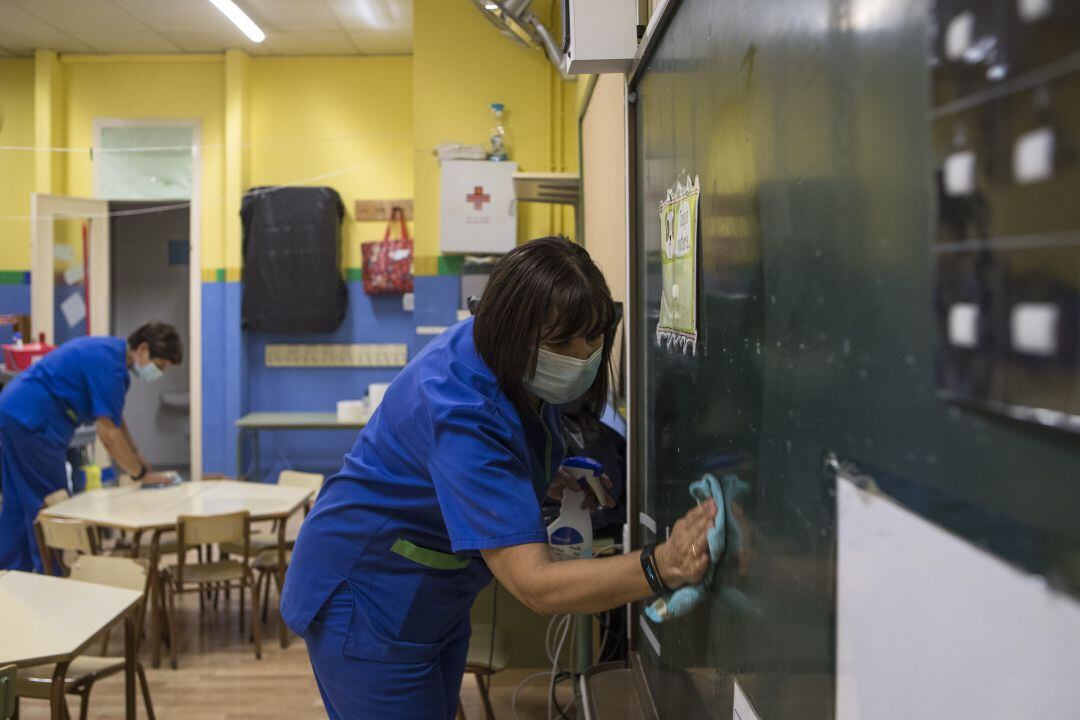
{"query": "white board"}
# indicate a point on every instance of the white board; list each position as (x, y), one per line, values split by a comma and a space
(930, 626)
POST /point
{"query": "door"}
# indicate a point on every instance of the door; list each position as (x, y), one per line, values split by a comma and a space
(69, 280)
(150, 268)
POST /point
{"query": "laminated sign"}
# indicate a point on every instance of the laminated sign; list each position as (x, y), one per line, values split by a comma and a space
(678, 264)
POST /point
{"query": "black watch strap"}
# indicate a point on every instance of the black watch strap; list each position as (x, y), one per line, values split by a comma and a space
(141, 475)
(648, 566)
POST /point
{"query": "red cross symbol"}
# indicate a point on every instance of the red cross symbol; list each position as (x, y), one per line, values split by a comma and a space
(478, 198)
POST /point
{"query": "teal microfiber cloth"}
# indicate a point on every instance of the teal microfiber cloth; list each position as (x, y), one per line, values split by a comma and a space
(724, 534)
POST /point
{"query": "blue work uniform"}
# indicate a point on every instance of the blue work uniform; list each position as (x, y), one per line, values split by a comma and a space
(79, 382)
(387, 565)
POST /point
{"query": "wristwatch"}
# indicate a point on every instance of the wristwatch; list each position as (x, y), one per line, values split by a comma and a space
(141, 475)
(648, 566)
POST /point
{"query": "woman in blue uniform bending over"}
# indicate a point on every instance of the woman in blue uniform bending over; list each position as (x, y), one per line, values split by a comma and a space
(82, 381)
(443, 490)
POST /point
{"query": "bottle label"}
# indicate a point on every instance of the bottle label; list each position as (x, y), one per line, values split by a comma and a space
(566, 536)
(566, 542)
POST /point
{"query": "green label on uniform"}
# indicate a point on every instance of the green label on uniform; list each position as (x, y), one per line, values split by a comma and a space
(428, 558)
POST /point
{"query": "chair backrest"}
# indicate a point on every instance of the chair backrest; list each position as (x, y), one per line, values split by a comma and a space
(117, 572)
(194, 530)
(7, 691)
(55, 497)
(65, 534)
(294, 478)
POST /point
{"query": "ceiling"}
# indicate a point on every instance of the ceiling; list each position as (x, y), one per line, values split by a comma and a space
(292, 27)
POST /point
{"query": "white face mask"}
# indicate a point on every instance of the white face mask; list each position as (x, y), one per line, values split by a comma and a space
(148, 372)
(560, 378)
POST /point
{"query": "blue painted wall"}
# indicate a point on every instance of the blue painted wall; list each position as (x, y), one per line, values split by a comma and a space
(14, 300)
(253, 387)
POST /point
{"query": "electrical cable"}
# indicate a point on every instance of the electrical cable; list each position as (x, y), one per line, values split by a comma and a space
(520, 685)
(179, 204)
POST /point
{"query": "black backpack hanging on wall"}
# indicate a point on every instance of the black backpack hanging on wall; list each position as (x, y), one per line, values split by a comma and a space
(292, 260)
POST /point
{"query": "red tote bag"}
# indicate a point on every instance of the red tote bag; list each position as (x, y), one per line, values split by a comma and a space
(388, 263)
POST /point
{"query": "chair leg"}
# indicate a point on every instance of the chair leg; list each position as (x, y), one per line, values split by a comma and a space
(174, 639)
(255, 626)
(84, 704)
(266, 595)
(241, 610)
(145, 691)
(489, 713)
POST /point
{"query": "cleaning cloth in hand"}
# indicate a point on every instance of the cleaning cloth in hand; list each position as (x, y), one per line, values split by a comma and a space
(721, 535)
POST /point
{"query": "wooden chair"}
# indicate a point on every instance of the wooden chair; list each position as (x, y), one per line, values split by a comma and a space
(55, 536)
(263, 540)
(483, 661)
(55, 497)
(85, 670)
(198, 530)
(7, 691)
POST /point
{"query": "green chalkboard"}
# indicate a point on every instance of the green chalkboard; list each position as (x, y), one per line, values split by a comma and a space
(810, 125)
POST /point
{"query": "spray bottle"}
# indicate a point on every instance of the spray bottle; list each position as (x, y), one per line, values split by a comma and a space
(499, 151)
(570, 534)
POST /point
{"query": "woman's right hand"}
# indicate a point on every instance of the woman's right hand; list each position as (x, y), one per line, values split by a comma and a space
(153, 479)
(684, 557)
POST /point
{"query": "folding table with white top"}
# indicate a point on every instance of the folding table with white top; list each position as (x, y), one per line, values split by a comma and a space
(157, 510)
(46, 619)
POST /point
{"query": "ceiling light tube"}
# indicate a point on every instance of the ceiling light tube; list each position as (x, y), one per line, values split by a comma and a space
(240, 19)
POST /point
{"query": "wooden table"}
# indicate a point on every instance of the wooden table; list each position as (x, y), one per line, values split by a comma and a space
(140, 510)
(253, 423)
(45, 619)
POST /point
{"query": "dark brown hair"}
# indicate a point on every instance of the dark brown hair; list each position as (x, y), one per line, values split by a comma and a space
(163, 340)
(547, 290)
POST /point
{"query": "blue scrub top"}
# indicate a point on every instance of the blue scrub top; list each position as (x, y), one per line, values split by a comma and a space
(445, 467)
(82, 380)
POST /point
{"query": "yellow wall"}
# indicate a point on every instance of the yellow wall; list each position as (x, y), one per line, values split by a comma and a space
(298, 118)
(16, 167)
(312, 116)
(167, 87)
(461, 64)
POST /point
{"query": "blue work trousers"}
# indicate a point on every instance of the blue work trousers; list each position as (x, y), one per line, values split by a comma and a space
(31, 468)
(357, 689)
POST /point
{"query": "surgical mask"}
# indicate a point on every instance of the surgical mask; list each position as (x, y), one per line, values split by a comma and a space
(560, 378)
(148, 372)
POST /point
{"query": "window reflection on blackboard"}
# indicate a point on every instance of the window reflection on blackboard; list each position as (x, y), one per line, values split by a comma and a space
(1005, 127)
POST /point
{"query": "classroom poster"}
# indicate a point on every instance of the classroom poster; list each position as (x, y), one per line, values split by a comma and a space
(677, 328)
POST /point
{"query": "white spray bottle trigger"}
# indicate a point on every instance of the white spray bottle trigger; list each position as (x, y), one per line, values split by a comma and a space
(590, 475)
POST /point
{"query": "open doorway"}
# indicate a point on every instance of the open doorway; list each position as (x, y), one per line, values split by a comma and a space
(150, 171)
(150, 271)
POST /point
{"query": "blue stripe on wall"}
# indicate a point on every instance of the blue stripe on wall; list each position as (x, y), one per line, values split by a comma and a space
(14, 300)
(369, 319)
(223, 376)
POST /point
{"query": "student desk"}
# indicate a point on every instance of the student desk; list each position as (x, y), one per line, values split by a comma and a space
(45, 619)
(253, 423)
(141, 510)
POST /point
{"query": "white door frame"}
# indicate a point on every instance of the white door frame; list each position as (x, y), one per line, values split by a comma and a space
(46, 209)
(194, 350)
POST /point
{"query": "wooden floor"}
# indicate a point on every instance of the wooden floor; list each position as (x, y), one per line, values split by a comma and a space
(220, 679)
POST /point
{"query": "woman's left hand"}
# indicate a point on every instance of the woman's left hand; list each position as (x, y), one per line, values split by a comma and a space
(565, 481)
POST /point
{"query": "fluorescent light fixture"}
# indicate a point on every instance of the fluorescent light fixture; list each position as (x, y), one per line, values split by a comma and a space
(240, 19)
(491, 6)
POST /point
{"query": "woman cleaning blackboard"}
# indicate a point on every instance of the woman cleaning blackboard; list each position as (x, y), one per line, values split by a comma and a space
(443, 489)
